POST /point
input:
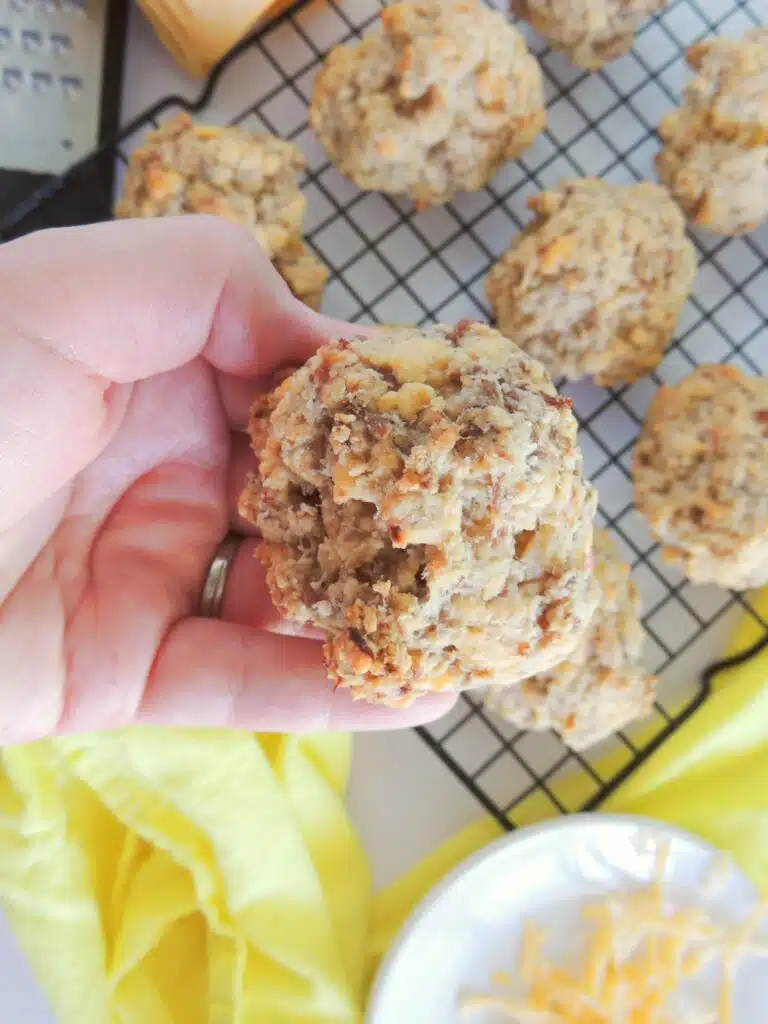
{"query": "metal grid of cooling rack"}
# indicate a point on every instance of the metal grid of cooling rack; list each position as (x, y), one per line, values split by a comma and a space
(389, 263)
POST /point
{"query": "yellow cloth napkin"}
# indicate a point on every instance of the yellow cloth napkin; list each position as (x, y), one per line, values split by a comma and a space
(176, 878)
(195, 877)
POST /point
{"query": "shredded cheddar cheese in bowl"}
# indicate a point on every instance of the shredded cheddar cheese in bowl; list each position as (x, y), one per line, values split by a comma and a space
(638, 954)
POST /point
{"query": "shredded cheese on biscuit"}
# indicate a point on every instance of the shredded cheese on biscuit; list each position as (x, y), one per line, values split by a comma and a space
(637, 956)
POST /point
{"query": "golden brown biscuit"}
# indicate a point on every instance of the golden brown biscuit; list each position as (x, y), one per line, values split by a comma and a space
(246, 177)
(602, 685)
(590, 32)
(595, 284)
(701, 475)
(421, 499)
(714, 157)
(431, 104)
(303, 272)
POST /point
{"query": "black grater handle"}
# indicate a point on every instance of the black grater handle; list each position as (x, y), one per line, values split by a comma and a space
(30, 201)
(15, 186)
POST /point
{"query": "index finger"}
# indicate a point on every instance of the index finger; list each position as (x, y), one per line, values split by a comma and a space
(128, 300)
(212, 673)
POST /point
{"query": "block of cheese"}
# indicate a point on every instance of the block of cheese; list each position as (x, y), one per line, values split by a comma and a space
(200, 32)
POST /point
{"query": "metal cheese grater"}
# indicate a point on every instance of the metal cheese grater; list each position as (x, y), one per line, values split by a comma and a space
(60, 69)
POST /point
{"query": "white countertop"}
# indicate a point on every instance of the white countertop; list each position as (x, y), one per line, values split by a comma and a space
(403, 800)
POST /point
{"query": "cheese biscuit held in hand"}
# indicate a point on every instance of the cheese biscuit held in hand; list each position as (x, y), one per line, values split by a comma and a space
(602, 685)
(421, 499)
(430, 104)
(701, 475)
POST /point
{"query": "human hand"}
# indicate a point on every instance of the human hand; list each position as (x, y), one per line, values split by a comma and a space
(130, 354)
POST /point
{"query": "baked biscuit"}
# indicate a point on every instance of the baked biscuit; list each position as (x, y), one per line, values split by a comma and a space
(431, 104)
(595, 284)
(714, 157)
(421, 499)
(303, 272)
(246, 177)
(701, 475)
(602, 685)
(590, 32)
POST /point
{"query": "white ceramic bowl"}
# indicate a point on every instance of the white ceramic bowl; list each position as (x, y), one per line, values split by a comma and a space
(470, 924)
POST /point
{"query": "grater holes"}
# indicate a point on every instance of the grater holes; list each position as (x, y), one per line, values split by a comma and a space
(71, 86)
(54, 106)
(12, 79)
(41, 82)
(31, 41)
(61, 44)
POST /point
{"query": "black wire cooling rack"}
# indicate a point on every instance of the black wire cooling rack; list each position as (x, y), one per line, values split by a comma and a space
(390, 263)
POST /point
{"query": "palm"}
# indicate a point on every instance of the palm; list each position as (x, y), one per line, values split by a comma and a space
(131, 548)
(118, 398)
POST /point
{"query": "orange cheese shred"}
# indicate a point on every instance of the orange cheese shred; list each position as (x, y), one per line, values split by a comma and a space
(637, 955)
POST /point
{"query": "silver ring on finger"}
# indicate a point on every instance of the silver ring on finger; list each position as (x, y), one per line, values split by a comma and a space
(212, 594)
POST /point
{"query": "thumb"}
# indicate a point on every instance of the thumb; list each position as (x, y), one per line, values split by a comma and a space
(89, 311)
